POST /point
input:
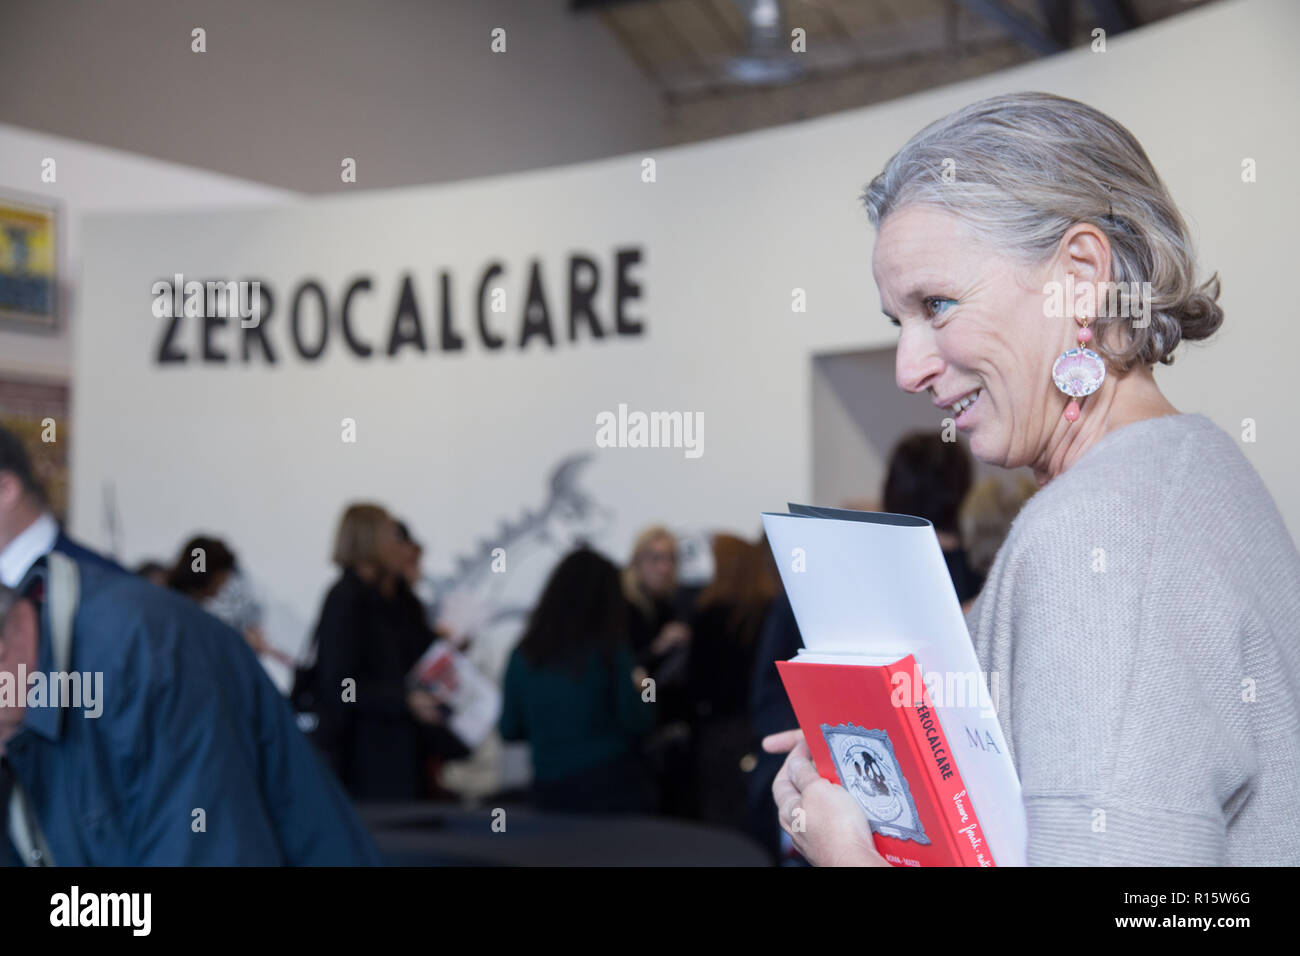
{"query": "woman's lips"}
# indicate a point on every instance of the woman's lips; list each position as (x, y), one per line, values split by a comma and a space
(963, 417)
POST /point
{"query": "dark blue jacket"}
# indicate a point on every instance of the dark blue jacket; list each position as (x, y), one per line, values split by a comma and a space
(84, 555)
(189, 722)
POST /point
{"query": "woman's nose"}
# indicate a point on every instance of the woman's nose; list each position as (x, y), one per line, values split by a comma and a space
(916, 363)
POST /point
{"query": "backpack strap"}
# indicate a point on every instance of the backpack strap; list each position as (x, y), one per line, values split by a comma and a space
(62, 594)
(29, 840)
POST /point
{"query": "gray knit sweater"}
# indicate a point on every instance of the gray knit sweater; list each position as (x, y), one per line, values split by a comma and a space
(1143, 623)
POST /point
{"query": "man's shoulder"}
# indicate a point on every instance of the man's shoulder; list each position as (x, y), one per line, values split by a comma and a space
(121, 616)
(112, 597)
(84, 555)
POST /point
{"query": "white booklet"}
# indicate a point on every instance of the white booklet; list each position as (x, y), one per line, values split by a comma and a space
(474, 700)
(870, 588)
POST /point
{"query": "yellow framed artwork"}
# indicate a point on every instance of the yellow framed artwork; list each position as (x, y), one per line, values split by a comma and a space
(39, 412)
(29, 257)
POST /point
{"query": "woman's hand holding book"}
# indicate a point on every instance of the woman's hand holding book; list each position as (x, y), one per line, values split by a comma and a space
(823, 819)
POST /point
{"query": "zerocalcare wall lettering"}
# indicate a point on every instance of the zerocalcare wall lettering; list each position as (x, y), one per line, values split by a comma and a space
(369, 317)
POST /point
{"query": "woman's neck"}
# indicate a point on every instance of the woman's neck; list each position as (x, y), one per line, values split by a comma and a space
(1122, 400)
(376, 578)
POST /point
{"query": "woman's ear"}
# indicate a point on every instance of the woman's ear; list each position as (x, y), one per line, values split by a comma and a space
(1085, 253)
(11, 491)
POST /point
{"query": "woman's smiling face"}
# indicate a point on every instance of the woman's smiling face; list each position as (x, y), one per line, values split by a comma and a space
(969, 320)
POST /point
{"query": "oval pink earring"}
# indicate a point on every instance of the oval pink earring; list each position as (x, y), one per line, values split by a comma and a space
(1078, 372)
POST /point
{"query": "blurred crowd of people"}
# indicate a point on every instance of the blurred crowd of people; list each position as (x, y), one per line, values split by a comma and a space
(633, 692)
(603, 644)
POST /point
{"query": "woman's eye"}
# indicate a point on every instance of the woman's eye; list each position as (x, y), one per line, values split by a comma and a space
(935, 304)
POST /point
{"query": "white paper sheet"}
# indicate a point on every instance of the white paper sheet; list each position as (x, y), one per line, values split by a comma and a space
(474, 700)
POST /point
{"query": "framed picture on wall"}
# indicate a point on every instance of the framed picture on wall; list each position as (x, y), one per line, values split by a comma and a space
(29, 263)
(39, 413)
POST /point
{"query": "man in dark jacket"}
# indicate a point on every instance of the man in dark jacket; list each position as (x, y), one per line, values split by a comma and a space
(166, 743)
(27, 529)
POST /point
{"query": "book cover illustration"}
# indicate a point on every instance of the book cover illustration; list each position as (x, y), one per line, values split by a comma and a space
(868, 769)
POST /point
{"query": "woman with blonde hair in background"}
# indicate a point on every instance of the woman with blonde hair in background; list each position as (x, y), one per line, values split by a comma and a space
(650, 585)
(377, 730)
(660, 640)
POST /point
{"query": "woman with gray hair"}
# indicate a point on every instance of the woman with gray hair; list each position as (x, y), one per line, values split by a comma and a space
(1142, 616)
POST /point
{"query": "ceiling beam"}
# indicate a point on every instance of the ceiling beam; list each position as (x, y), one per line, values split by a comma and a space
(1116, 16)
(582, 6)
(1056, 14)
(1023, 29)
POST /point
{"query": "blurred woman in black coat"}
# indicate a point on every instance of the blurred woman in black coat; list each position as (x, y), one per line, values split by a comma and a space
(724, 636)
(377, 730)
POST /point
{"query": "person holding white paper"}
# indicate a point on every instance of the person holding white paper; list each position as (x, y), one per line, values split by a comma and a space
(1143, 615)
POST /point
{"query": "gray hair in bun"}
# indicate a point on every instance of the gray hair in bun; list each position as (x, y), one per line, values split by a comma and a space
(1020, 169)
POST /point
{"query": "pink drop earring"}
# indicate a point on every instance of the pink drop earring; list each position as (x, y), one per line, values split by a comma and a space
(1078, 372)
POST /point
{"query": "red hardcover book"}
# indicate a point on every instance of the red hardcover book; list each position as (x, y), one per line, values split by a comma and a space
(867, 734)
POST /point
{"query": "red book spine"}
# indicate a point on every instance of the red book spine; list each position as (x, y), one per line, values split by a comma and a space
(942, 777)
